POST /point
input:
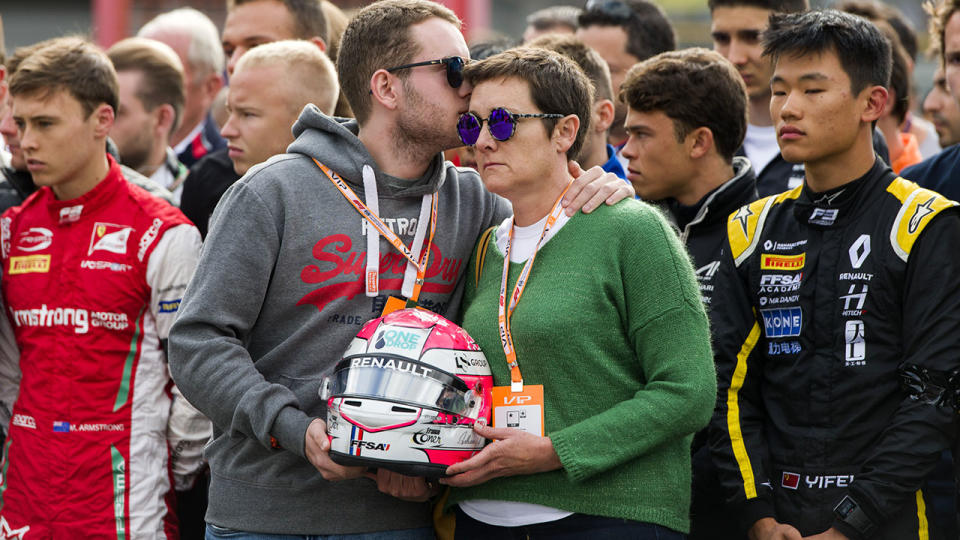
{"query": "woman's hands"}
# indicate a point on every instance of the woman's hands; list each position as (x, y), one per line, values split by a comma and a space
(512, 452)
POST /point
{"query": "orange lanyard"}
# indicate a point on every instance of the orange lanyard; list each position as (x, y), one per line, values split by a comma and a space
(418, 260)
(504, 310)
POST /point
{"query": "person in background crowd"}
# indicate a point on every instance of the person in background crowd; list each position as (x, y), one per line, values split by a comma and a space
(736, 26)
(832, 337)
(645, 344)
(336, 23)
(551, 20)
(9, 356)
(624, 33)
(151, 102)
(264, 100)
(193, 36)
(942, 110)
(249, 23)
(686, 117)
(93, 272)
(596, 150)
(270, 86)
(253, 361)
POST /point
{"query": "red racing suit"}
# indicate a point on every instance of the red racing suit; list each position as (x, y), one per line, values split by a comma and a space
(91, 288)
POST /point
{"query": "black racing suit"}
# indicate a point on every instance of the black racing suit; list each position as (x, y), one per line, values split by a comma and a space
(825, 296)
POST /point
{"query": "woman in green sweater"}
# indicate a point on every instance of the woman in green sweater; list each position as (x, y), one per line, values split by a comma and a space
(601, 355)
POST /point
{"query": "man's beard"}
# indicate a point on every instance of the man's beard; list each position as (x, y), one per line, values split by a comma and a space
(136, 153)
(421, 128)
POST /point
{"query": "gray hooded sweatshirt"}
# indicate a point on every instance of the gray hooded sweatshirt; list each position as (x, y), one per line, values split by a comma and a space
(276, 299)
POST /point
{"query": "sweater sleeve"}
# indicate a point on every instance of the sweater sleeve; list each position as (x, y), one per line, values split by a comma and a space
(208, 359)
(668, 328)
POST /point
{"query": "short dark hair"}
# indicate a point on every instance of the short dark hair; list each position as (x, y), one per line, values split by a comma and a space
(695, 88)
(557, 84)
(553, 16)
(71, 64)
(863, 51)
(378, 37)
(162, 73)
(777, 6)
(309, 19)
(940, 14)
(648, 30)
(588, 59)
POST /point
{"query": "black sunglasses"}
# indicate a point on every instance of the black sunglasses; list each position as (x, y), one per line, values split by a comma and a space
(612, 8)
(454, 65)
(501, 122)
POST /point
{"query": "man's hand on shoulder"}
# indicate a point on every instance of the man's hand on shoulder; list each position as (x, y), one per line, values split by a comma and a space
(318, 452)
(771, 529)
(592, 188)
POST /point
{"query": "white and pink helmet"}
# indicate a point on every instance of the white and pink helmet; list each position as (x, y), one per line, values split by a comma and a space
(406, 395)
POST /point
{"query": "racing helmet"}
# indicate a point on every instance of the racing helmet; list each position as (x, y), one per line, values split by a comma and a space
(406, 394)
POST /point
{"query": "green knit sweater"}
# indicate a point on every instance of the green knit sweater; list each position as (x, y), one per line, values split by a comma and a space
(611, 324)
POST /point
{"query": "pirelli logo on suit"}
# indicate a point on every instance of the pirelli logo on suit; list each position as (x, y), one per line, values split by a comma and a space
(782, 262)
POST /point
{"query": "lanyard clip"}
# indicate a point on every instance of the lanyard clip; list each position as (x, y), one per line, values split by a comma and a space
(516, 386)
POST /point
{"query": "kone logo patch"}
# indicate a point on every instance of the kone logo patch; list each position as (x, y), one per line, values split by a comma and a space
(784, 322)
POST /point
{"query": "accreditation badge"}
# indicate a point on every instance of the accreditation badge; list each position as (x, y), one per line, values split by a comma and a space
(521, 410)
(395, 303)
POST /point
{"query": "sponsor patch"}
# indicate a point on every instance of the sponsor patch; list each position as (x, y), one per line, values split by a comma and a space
(790, 480)
(769, 261)
(148, 238)
(78, 318)
(367, 445)
(853, 301)
(859, 250)
(855, 349)
(105, 265)
(70, 214)
(34, 239)
(29, 264)
(109, 237)
(770, 245)
(822, 216)
(169, 306)
(785, 322)
(427, 437)
(24, 420)
(789, 347)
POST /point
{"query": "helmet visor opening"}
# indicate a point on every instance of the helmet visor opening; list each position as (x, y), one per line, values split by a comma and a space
(401, 380)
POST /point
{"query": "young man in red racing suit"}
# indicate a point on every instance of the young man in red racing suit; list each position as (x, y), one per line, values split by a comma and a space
(93, 270)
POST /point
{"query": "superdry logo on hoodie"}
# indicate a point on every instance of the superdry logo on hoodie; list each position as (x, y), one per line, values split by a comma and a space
(337, 258)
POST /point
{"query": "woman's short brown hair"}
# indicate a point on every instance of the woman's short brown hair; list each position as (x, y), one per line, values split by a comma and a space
(557, 84)
(693, 87)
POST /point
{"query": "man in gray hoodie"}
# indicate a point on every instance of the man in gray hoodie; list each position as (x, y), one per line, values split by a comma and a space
(286, 279)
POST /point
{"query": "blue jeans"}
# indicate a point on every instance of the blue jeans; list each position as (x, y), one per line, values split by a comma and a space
(217, 533)
(572, 527)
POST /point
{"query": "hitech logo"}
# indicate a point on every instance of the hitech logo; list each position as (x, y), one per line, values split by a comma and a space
(782, 262)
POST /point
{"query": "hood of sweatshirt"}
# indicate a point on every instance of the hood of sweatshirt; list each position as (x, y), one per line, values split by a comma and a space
(333, 142)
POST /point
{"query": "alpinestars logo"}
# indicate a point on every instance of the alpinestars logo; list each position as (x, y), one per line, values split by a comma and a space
(921, 212)
(742, 215)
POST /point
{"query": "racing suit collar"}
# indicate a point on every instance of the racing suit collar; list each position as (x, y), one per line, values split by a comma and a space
(839, 205)
(720, 202)
(70, 211)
